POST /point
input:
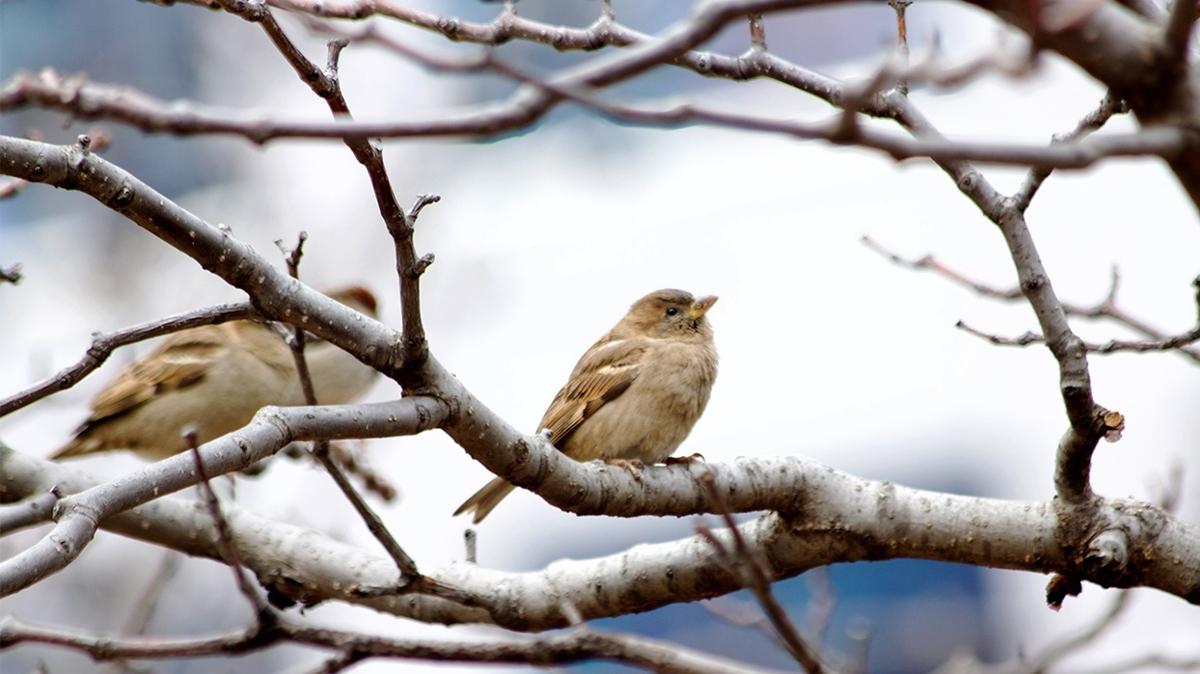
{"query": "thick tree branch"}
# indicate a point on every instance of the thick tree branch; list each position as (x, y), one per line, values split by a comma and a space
(276, 295)
(841, 518)
(79, 515)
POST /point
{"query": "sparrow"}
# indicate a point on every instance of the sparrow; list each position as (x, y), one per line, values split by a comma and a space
(635, 394)
(213, 379)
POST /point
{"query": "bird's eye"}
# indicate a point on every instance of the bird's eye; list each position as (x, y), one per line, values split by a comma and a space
(671, 311)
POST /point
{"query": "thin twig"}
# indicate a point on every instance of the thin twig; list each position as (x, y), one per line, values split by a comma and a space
(225, 542)
(104, 344)
(405, 564)
(1109, 106)
(900, 7)
(1174, 343)
(143, 608)
(573, 646)
(758, 580)
(1105, 309)
(1177, 35)
(326, 84)
(531, 104)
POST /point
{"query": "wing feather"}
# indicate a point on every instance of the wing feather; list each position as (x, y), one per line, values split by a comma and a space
(606, 371)
(180, 361)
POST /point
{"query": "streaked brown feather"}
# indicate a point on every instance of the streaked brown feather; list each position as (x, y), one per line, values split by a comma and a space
(601, 376)
(179, 362)
(643, 386)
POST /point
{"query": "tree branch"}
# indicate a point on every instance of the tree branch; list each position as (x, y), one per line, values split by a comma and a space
(571, 647)
(103, 344)
(840, 518)
(79, 515)
(1105, 309)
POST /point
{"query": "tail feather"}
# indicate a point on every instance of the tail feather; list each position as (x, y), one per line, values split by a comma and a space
(485, 500)
(78, 446)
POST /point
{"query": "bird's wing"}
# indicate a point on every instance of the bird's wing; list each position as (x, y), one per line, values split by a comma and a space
(604, 373)
(180, 361)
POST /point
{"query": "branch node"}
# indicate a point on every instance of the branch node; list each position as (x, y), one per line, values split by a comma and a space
(1059, 588)
(419, 266)
(1107, 557)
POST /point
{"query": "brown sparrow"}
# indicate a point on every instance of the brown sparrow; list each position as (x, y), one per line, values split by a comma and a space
(635, 394)
(213, 379)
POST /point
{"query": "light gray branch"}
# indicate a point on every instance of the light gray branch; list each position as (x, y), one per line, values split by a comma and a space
(839, 518)
(79, 515)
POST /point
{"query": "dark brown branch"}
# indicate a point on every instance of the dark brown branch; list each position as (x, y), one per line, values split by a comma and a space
(104, 344)
(224, 541)
(1177, 35)
(405, 564)
(901, 7)
(1105, 309)
(524, 109)
(750, 565)
(570, 647)
(1112, 346)
(399, 223)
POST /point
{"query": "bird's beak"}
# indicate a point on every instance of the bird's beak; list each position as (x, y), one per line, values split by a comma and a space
(701, 307)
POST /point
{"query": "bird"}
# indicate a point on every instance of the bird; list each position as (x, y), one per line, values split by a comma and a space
(635, 395)
(213, 379)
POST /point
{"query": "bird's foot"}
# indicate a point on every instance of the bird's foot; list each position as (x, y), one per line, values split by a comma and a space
(684, 460)
(634, 466)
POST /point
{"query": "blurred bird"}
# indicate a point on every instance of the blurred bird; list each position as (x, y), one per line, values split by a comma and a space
(635, 394)
(213, 379)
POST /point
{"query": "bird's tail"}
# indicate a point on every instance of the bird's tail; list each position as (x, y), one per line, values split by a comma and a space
(483, 501)
(78, 446)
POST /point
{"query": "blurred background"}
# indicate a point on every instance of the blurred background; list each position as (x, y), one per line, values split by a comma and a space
(544, 238)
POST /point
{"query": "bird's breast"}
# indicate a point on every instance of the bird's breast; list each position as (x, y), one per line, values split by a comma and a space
(654, 416)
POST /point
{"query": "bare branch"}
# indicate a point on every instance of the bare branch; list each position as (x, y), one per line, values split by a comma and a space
(570, 647)
(900, 7)
(1095, 119)
(758, 579)
(1112, 346)
(309, 567)
(79, 515)
(532, 103)
(143, 608)
(399, 223)
(31, 511)
(103, 344)
(224, 542)
(1105, 309)
(274, 294)
(1177, 34)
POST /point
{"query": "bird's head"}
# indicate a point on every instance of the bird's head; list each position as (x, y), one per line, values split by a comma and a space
(670, 314)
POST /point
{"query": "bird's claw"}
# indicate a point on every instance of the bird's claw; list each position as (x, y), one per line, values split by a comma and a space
(634, 466)
(684, 460)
